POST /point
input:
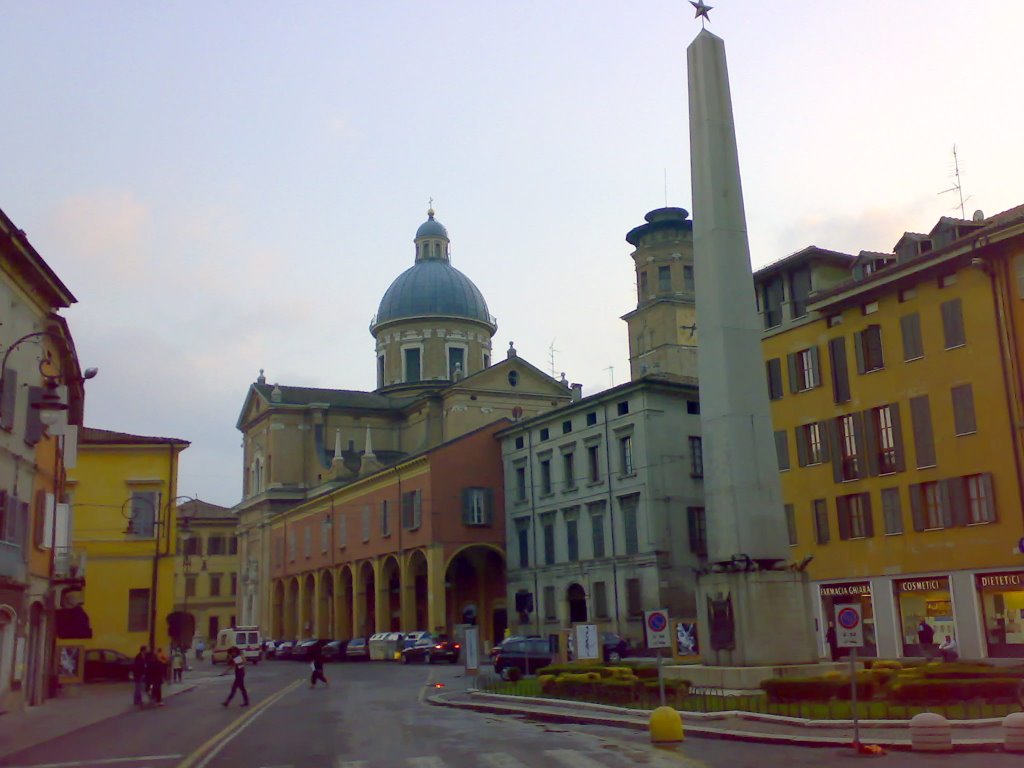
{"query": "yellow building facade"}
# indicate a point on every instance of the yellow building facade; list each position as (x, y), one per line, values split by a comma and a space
(205, 572)
(896, 394)
(123, 493)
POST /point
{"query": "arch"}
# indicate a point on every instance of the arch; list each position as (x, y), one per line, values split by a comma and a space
(325, 606)
(306, 608)
(344, 603)
(418, 588)
(481, 545)
(277, 628)
(576, 596)
(474, 588)
(391, 592)
(366, 597)
(8, 628)
(291, 610)
(35, 663)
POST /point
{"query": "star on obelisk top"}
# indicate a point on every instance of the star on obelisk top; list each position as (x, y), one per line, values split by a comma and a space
(702, 11)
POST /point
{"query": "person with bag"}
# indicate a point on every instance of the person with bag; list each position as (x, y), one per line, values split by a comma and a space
(156, 671)
(316, 665)
(237, 661)
(177, 664)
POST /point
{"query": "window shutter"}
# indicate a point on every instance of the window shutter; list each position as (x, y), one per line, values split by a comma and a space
(870, 420)
(963, 409)
(873, 336)
(832, 433)
(921, 420)
(826, 447)
(897, 437)
(858, 349)
(22, 533)
(4, 515)
(910, 327)
(989, 491)
(843, 513)
(815, 367)
(417, 509)
(773, 369)
(946, 501)
(800, 433)
(8, 399)
(782, 449)
(488, 506)
(953, 323)
(959, 513)
(467, 502)
(33, 422)
(39, 520)
(840, 374)
(859, 436)
(869, 518)
(916, 507)
(794, 385)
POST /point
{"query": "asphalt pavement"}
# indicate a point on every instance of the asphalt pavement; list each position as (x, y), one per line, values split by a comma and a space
(376, 715)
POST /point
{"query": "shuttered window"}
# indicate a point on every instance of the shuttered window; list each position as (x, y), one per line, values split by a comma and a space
(773, 371)
(412, 510)
(804, 370)
(634, 598)
(854, 516)
(548, 529)
(930, 506)
(884, 440)
(867, 345)
(596, 510)
(33, 419)
(892, 514)
(600, 595)
(819, 508)
(811, 447)
(963, 410)
(840, 374)
(478, 506)
(696, 523)
(628, 505)
(910, 327)
(953, 324)
(924, 440)
(981, 505)
(8, 399)
(782, 449)
(572, 539)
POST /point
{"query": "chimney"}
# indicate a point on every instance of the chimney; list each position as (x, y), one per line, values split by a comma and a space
(577, 392)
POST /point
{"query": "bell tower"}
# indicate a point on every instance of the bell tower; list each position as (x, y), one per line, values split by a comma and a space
(662, 328)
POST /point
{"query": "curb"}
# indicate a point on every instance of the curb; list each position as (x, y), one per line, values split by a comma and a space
(618, 719)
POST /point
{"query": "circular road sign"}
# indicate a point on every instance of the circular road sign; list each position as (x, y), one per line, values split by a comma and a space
(848, 618)
(657, 622)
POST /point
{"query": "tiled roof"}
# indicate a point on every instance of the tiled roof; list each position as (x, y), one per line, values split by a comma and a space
(93, 436)
(345, 398)
(197, 508)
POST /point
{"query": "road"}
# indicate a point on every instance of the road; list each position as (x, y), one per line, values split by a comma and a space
(374, 716)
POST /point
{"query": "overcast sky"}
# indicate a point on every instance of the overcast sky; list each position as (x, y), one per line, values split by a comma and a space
(229, 186)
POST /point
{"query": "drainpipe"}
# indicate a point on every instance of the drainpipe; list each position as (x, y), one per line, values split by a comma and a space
(611, 520)
(533, 522)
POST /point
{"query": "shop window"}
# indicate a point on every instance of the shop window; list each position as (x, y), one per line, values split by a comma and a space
(926, 611)
(1002, 601)
(852, 593)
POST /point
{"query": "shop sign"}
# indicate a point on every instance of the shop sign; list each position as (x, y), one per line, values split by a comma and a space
(845, 590)
(1011, 579)
(936, 584)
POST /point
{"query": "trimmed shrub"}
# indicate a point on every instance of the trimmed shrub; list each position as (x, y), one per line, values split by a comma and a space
(513, 674)
(789, 690)
(886, 664)
(993, 690)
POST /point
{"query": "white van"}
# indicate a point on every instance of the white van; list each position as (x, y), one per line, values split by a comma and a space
(246, 639)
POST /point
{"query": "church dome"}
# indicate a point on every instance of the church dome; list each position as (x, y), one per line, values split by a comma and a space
(431, 227)
(432, 287)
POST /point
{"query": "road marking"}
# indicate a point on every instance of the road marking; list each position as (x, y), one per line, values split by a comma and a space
(430, 761)
(500, 760)
(573, 759)
(102, 761)
(212, 746)
(428, 685)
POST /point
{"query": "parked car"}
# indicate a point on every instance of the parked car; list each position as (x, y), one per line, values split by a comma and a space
(269, 649)
(410, 638)
(510, 638)
(358, 649)
(284, 650)
(335, 650)
(528, 655)
(304, 651)
(430, 649)
(615, 647)
(104, 664)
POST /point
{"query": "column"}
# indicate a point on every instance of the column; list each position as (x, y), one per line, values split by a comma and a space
(436, 608)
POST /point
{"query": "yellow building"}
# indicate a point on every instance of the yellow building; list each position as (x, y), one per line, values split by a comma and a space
(205, 571)
(896, 391)
(123, 492)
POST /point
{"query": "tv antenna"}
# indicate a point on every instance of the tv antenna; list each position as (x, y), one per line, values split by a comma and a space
(956, 184)
(611, 374)
(551, 356)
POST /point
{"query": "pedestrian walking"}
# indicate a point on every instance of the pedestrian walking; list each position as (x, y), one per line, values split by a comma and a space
(156, 671)
(925, 638)
(237, 661)
(200, 647)
(139, 674)
(316, 664)
(177, 664)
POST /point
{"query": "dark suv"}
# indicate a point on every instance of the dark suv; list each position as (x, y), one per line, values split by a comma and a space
(527, 655)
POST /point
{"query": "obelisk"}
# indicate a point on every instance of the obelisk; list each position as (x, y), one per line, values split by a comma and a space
(754, 610)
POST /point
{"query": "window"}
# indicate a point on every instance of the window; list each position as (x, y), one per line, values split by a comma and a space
(342, 519)
(545, 434)
(8, 399)
(138, 610)
(600, 594)
(833, 320)
(664, 279)
(790, 523)
(696, 457)
(215, 545)
(366, 522)
(771, 302)
(594, 463)
(643, 286)
(193, 545)
(820, 510)
(412, 511)
(144, 509)
(634, 598)
(963, 410)
(477, 506)
(854, 513)
(924, 441)
(523, 540)
(513, 378)
(545, 477)
(870, 308)
(947, 281)
(325, 534)
(868, 346)
(380, 370)
(688, 284)
(520, 483)
(597, 527)
(910, 328)
(190, 585)
(293, 545)
(773, 370)
(840, 374)
(307, 540)
(953, 324)
(933, 505)
(550, 609)
(412, 364)
(215, 579)
(566, 427)
(697, 527)
(907, 294)
(810, 447)
(885, 444)
(385, 518)
(519, 443)
(799, 290)
(628, 505)
(548, 528)
(849, 459)
(572, 538)
(804, 370)
(892, 515)
(626, 455)
(456, 361)
(623, 407)
(693, 407)
(980, 502)
(592, 418)
(232, 545)
(782, 449)
(569, 469)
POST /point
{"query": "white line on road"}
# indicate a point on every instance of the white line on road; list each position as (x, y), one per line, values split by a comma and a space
(499, 760)
(102, 761)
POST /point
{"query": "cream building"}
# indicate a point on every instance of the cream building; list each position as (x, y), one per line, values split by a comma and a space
(205, 571)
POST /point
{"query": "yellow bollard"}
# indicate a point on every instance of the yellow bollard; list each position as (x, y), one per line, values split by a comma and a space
(666, 726)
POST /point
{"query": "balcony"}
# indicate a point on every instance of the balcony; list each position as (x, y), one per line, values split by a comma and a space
(68, 566)
(12, 562)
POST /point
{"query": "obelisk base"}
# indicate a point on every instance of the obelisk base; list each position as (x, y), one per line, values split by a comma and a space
(755, 619)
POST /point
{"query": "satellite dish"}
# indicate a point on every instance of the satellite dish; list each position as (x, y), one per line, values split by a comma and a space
(979, 215)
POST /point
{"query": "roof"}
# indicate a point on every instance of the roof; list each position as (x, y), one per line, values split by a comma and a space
(197, 509)
(32, 265)
(93, 436)
(431, 227)
(432, 288)
(810, 253)
(340, 398)
(660, 219)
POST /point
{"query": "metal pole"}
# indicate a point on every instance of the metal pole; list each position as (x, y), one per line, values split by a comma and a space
(661, 679)
(853, 696)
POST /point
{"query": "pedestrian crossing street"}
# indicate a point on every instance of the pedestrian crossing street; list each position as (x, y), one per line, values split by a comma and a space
(551, 758)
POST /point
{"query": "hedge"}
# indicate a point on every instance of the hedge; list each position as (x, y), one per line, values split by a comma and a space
(787, 690)
(993, 690)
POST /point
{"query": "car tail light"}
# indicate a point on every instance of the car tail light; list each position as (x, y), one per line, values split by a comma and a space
(439, 647)
(457, 646)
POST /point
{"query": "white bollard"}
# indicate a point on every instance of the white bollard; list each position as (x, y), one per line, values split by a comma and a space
(1013, 732)
(930, 732)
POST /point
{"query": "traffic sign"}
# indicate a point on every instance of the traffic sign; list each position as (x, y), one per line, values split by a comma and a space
(658, 632)
(849, 626)
(587, 646)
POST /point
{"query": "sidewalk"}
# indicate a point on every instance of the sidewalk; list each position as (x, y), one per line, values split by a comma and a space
(968, 735)
(79, 706)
